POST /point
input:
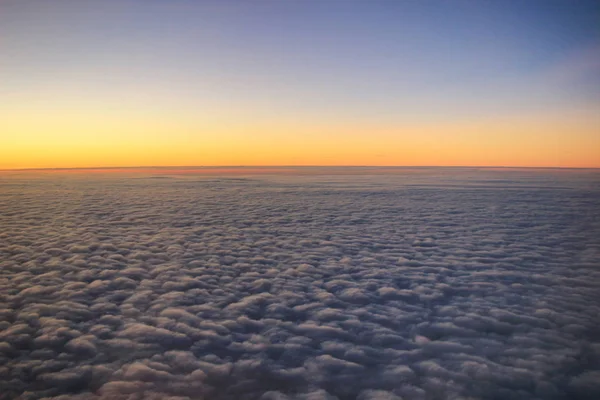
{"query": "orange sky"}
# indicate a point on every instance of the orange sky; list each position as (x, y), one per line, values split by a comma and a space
(63, 139)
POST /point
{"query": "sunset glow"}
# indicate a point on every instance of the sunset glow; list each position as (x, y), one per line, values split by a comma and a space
(131, 83)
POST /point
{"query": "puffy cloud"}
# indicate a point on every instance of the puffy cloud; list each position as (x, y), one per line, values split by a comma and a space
(151, 334)
(429, 286)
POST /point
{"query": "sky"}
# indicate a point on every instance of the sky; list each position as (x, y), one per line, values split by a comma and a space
(154, 83)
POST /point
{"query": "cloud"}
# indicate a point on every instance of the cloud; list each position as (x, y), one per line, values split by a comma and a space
(294, 289)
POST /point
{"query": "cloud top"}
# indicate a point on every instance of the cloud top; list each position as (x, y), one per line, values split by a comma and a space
(299, 289)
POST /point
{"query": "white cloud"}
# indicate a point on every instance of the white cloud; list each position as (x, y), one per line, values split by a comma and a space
(262, 289)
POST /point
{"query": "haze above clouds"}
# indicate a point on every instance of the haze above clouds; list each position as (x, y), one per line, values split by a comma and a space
(417, 284)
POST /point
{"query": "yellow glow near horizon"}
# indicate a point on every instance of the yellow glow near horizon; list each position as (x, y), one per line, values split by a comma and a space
(60, 139)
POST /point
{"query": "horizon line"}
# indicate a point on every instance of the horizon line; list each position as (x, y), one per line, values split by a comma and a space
(285, 166)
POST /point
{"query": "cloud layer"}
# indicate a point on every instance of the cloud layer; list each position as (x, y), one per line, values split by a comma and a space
(307, 289)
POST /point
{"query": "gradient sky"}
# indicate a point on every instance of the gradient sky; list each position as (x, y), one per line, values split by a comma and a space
(332, 82)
